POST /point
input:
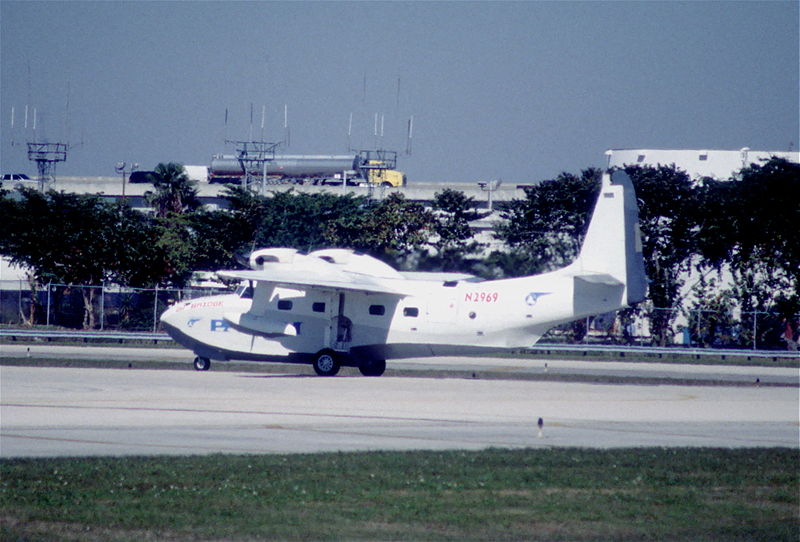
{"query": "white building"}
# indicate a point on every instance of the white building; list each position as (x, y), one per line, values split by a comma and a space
(697, 162)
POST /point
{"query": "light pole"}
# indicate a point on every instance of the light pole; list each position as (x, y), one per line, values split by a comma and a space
(120, 168)
(490, 187)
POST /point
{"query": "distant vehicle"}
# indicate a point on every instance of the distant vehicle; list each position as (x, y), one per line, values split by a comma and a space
(17, 180)
(140, 177)
(196, 173)
(311, 169)
(338, 307)
(15, 177)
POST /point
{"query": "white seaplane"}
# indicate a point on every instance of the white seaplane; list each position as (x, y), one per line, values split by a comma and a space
(337, 307)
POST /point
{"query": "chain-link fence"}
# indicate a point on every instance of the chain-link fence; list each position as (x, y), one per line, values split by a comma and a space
(106, 307)
(112, 307)
(697, 328)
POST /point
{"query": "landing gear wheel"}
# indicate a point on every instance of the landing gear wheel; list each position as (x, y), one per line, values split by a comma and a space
(372, 367)
(201, 364)
(326, 363)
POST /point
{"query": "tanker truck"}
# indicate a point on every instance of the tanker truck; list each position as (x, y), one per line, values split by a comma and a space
(310, 169)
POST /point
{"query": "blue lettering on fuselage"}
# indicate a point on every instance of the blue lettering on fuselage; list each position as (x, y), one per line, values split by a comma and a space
(219, 325)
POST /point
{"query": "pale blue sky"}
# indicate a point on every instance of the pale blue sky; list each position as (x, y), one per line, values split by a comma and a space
(513, 90)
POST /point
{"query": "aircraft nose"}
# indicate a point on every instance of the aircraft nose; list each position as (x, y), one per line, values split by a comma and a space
(168, 316)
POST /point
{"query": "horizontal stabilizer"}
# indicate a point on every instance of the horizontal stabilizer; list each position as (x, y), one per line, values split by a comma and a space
(600, 278)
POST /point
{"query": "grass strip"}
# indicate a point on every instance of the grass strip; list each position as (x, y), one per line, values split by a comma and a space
(497, 494)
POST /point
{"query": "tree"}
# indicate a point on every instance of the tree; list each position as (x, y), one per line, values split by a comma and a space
(668, 211)
(175, 193)
(242, 218)
(134, 236)
(545, 230)
(759, 224)
(393, 230)
(290, 219)
(453, 242)
(174, 201)
(75, 240)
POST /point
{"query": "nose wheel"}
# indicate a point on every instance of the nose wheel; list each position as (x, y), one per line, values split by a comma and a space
(201, 364)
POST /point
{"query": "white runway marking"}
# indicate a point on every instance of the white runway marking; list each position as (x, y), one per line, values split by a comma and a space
(56, 412)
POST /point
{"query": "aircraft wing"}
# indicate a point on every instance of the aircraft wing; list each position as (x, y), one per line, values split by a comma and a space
(336, 281)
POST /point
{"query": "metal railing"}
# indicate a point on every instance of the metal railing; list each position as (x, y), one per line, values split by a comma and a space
(85, 336)
(619, 350)
(664, 350)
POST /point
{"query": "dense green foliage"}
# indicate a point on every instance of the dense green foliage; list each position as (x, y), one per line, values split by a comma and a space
(746, 227)
(668, 212)
(546, 494)
(544, 231)
(174, 193)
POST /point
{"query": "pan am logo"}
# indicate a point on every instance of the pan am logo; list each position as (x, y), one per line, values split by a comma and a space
(192, 321)
(219, 325)
(533, 297)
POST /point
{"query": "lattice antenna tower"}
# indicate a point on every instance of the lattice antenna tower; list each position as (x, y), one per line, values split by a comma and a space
(254, 157)
(46, 156)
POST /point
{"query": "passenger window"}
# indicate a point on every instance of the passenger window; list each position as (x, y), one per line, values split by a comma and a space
(318, 307)
(411, 312)
(284, 305)
(377, 310)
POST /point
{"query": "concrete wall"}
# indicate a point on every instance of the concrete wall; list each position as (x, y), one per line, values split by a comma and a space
(211, 193)
(718, 164)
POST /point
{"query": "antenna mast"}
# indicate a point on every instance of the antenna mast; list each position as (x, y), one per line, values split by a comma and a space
(254, 157)
(46, 156)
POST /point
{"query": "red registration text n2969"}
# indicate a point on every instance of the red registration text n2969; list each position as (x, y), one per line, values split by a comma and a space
(481, 297)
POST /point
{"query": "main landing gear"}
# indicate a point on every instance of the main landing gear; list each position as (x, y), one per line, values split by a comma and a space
(328, 362)
(372, 367)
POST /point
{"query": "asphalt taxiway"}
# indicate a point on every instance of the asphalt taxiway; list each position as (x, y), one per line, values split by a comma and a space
(48, 412)
(496, 366)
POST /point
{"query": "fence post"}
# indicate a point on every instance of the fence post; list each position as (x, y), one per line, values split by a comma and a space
(698, 331)
(102, 304)
(49, 288)
(155, 309)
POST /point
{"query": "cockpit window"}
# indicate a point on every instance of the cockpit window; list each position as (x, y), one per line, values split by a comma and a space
(245, 292)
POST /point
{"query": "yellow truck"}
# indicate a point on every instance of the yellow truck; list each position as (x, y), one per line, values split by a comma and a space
(377, 166)
(386, 177)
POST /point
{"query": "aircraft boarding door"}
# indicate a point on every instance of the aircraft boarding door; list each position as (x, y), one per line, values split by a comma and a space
(341, 328)
(443, 307)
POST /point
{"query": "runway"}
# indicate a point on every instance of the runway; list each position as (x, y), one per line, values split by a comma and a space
(47, 412)
(498, 366)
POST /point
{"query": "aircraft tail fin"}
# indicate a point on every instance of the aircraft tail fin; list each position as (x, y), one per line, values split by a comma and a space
(612, 248)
